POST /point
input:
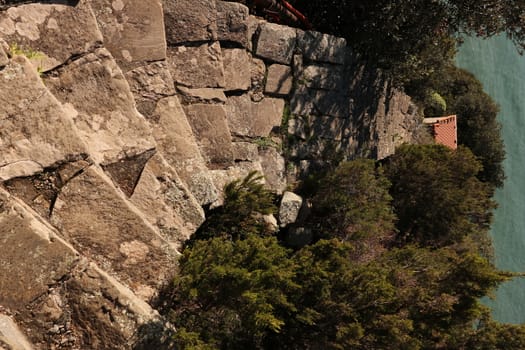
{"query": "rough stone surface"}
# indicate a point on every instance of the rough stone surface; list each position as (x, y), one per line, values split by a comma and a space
(210, 127)
(274, 169)
(96, 220)
(167, 202)
(4, 48)
(178, 144)
(307, 101)
(105, 107)
(254, 119)
(56, 32)
(279, 80)
(306, 127)
(150, 83)
(276, 43)
(321, 47)
(245, 151)
(133, 30)
(197, 66)
(190, 20)
(31, 258)
(289, 208)
(236, 69)
(258, 76)
(12, 336)
(223, 177)
(203, 95)
(323, 76)
(232, 23)
(35, 131)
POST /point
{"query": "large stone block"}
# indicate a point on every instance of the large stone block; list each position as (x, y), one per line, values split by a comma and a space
(100, 223)
(167, 202)
(276, 43)
(32, 257)
(274, 169)
(306, 127)
(233, 23)
(279, 80)
(133, 30)
(237, 73)
(36, 131)
(254, 119)
(320, 47)
(322, 76)
(190, 20)
(95, 86)
(238, 171)
(55, 32)
(197, 66)
(332, 103)
(178, 145)
(202, 95)
(210, 126)
(150, 83)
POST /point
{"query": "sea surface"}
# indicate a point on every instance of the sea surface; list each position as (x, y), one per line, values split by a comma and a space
(497, 64)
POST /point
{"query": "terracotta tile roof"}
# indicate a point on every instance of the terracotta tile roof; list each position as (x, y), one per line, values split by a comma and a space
(444, 130)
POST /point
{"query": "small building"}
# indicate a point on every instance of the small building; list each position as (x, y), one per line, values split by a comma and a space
(444, 130)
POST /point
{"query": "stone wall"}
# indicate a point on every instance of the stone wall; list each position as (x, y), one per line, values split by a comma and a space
(120, 120)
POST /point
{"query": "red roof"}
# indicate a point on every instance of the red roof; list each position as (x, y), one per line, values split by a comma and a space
(444, 130)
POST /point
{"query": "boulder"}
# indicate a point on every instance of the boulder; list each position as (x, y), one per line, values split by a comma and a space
(320, 47)
(254, 119)
(210, 127)
(279, 80)
(232, 23)
(103, 107)
(289, 209)
(51, 34)
(133, 30)
(190, 20)
(198, 66)
(36, 131)
(276, 43)
(237, 75)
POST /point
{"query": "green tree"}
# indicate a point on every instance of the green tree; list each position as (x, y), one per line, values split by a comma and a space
(437, 197)
(352, 203)
(245, 202)
(233, 294)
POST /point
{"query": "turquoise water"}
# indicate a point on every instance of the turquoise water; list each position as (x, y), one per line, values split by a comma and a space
(500, 68)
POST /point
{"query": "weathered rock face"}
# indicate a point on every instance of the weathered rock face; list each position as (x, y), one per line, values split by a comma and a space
(119, 120)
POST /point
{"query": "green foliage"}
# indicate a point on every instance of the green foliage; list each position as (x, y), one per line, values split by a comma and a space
(436, 105)
(405, 32)
(239, 288)
(436, 196)
(234, 294)
(245, 202)
(353, 203)
(478, 128)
